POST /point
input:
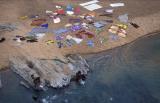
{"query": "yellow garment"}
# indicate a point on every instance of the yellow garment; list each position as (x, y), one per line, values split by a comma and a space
(122, 26)
(113, 29)
(50, 42)
(23, 17)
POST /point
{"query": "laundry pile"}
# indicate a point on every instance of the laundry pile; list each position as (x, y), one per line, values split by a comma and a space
(80, 27)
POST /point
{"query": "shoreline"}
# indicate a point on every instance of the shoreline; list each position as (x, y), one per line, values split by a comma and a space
(113, 79)
(17, 68)
(50, 61)
(93, 53)
(141, 37)
(147, 21)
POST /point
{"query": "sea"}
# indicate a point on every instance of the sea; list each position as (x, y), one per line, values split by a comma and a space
(126, 74)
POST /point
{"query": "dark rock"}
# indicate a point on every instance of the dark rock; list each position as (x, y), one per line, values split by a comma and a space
(35, 98)
(2, 39)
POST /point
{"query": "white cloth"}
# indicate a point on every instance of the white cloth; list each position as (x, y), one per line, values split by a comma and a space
(117, 4)
(56, 20)
(92, 7)
(89, 3)
(77, 40)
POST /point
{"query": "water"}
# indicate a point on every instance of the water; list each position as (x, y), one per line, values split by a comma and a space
(128, 74)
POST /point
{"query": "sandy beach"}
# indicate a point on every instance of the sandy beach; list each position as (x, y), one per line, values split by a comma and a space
(105, 67)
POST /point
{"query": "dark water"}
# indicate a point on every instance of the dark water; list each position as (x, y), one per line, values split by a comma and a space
(128, 74)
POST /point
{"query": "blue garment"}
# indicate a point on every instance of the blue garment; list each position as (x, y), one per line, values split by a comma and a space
(59, 38)
(60, 31)
(113, 37)
(76, 27)
(69, 8)
(90, 43)
(98, 24)
(39, 30)
(44, 25)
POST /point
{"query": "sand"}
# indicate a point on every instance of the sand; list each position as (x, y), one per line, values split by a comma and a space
(145, 13)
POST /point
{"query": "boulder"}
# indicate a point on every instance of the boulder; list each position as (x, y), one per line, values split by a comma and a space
(54, 73)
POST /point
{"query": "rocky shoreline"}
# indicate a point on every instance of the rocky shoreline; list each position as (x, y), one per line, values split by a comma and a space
(58, 72)
(53, 73)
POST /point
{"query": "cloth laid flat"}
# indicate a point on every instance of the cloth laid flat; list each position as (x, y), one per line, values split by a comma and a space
(92, 7)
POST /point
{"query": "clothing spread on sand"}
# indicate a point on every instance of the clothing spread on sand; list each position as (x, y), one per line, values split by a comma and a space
(80, 27)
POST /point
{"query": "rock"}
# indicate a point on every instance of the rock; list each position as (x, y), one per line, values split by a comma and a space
(22, 67)
(54, 73)
(24, 84)
(82, 82)
(35, 97)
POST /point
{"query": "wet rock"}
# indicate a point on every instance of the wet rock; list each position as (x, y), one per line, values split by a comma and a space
(21, 66)
(35, 98)
(54, 73)
(24, 84)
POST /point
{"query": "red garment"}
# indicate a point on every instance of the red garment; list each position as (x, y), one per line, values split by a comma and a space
(77, 10)
(60, 11)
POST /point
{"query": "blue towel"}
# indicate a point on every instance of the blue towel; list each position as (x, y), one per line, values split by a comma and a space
(90, 43)
(39, 30)
(98, 24)
(60, 31)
